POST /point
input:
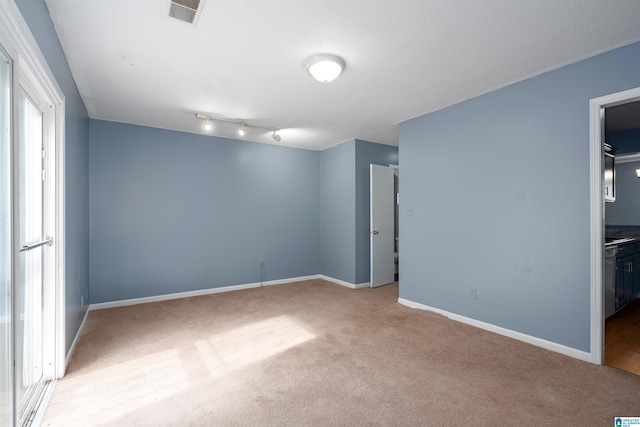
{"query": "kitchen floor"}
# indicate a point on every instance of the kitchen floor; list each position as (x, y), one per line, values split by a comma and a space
(622, 339)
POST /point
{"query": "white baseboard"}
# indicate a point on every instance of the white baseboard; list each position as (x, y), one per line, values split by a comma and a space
(538, 342)
(208, 291)
(75, 340)
(343, 283)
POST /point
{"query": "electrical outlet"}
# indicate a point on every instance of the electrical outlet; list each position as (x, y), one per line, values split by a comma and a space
(472, 293)
(409, 211)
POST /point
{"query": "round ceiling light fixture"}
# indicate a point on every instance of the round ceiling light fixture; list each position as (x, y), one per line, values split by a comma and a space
(207, 126)
(325, 68)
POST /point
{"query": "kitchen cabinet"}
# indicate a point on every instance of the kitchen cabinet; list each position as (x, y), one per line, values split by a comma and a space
(624, 280)
(636, 273)
(627, 285)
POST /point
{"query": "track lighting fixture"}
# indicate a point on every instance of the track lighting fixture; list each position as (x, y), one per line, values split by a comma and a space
(207, 126)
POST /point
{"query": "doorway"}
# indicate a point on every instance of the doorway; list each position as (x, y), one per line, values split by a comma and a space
(622, 260)
(597, 109)
(383, 211)
(32, 354)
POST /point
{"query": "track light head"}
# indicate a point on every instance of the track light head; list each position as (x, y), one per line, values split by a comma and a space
(207, 126)
(275, 136)
(242, 131)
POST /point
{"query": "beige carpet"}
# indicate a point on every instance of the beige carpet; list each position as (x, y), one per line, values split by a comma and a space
(318, 354)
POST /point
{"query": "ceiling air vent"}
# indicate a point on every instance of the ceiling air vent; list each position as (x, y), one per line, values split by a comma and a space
(185, 10)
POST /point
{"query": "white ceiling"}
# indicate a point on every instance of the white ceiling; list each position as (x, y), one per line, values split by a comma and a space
(244, 59)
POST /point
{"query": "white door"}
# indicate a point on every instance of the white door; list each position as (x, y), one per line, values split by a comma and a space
(382, 231)
(34, 248)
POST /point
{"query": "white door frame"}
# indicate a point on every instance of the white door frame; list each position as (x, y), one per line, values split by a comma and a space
(31, 67)
(596, 156)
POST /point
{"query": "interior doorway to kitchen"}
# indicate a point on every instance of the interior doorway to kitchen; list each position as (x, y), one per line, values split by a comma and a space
(622, 258)
(598, 110)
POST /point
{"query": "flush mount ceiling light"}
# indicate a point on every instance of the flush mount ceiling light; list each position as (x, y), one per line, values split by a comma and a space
(325, 68)
(207, 126)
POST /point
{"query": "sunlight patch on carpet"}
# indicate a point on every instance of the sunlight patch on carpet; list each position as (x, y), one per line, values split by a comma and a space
(119, 389)
(249, 344)
(106, 395)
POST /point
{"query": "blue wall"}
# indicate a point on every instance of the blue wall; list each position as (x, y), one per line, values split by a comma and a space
(500, 190)
(367, 153)
(344, 196)
(338, 211)
(173, 212)
(626, 209)
(37, 17)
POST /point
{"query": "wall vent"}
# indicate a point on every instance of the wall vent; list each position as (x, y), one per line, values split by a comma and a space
(185, 10)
